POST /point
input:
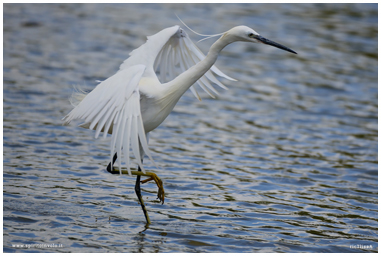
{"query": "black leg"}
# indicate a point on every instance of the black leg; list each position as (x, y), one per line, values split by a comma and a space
(112, 171)
(139, 195)
(137, 186)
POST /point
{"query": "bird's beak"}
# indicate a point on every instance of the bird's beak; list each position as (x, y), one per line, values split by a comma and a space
(272, 43)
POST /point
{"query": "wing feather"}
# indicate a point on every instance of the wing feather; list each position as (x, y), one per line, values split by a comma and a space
(197, 52)
(135, 141)
(107, 127)
(114, 107)
(126, 151)
(105, 118)
(203, 82)
(119, 137)
(165, 52)
(178, 55)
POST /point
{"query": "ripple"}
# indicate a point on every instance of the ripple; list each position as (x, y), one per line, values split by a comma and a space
(285, 161)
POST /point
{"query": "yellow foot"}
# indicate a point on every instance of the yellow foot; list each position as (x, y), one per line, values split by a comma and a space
(159, 183)
(152, 176)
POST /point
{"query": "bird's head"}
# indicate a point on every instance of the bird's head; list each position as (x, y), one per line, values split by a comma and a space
(246, 34)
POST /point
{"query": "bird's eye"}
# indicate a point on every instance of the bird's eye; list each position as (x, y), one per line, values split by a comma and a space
(251, 35)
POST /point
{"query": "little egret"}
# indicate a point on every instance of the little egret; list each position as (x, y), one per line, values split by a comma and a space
(134, 101)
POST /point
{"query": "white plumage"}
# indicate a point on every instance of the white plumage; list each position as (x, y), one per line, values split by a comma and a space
(114, 105)
(134, 101)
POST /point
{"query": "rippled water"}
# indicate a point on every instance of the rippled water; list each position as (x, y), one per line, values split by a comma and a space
(285, 161)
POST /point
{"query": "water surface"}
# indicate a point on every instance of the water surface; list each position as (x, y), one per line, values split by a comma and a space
(284, 161)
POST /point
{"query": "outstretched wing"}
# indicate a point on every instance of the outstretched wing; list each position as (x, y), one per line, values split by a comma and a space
(171, 52)
(114, 107)
(178, 55)
(147, 53)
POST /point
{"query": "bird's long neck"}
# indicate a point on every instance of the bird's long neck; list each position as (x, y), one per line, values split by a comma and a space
(178, 86)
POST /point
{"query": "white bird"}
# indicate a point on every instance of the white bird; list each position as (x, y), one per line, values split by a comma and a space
(134, 101)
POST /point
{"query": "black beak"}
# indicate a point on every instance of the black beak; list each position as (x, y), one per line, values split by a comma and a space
(272, 43)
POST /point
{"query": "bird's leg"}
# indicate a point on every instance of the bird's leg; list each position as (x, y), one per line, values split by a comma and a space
(140, 198)
(151, 175)
(159, 183)
(110, 167)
